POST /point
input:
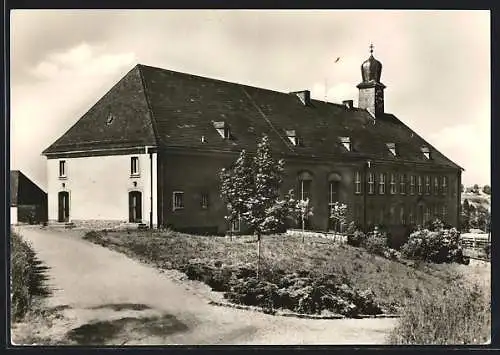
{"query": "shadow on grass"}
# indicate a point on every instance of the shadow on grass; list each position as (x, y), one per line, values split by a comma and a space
(125, 330)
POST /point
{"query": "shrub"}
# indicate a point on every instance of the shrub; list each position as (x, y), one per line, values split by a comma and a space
(435, 246)
(356, 239)
(28, 278)
(376, 243)
(456, 315)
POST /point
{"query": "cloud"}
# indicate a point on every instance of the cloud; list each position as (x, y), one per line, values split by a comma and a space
(67, 84)
(81, 61)
(466, 143)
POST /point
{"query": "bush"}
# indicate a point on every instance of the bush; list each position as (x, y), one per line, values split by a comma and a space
(435, 246)
(28, 278)
(456, 315)
(376, 243)
(356, 238)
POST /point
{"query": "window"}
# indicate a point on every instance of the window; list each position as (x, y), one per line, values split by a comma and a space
(134, 166)
(333, 192)
(223, 129)
(427, 184)
(427, 215)
(292, 137)
(371, 183)
(392, 148)
(178, 200)
(402, 184)
(346, 142)
(436, 185)
(411, 216)
(426, 152)
(381, 184)
(393, 184)
(305, 190)
(444, 213)
(420, 185)
(444, 185)
(402, 219)
(357, 182)
(204, 200)
(412, 184)
(392, 213)
(62, 168)
(235, 225)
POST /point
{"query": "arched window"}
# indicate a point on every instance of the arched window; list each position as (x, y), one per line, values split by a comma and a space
(305, 182)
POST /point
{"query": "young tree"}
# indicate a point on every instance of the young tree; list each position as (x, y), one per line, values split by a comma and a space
(338, 214)
(305, 210)
(251, 192)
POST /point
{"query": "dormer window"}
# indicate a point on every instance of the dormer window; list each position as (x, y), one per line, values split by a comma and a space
(223, 129)
(426, 152)
(346, 142)
(392, 148)
(292, 137)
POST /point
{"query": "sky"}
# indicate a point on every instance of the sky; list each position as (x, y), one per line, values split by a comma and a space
(436, 66)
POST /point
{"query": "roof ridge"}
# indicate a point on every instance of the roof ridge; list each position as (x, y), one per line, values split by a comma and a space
(235, 83)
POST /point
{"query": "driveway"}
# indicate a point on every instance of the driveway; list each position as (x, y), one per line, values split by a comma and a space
(108, 298)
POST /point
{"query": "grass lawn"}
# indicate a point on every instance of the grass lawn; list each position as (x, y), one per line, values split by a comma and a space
(392, 283)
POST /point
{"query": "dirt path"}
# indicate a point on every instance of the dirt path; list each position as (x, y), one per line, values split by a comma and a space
(108, 298)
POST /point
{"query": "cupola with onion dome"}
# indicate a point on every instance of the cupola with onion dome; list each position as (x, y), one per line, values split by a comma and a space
(371, 90)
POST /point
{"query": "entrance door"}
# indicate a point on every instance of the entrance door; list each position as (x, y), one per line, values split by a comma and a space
(63, 207)
(135, 206)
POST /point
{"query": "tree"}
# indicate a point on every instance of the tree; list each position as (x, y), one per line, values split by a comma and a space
(487, 189)
(462, 188)
(465, 216)
(338, 214)
(475, 188)
(250, 190)
(305, 210)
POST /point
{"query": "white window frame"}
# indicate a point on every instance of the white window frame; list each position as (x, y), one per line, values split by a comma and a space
(444, 212)
(444, 185)
(402, 184)
(420, 189)
(330, 192)
(357, 182)
(137, 171)
(381, 184)
(412, 184)
(64, 175)
(346, 142)
(371, 183)
(436, 185)
(427, 214)
(427, 185)
(174, 194)
(393, 184)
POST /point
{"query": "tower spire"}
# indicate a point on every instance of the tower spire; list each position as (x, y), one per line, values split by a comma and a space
(371, 48)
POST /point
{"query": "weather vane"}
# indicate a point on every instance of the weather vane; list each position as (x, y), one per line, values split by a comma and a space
(371, 48)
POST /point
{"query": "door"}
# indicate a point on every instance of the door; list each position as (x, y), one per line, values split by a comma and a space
(63, 207)
(135, 206)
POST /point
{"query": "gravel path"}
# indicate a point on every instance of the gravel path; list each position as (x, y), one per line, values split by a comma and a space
(108, 298)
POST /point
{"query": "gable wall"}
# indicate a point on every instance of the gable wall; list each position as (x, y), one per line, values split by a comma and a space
(98, 187)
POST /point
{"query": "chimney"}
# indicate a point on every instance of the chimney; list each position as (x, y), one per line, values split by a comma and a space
(348, 103)
(304, 96)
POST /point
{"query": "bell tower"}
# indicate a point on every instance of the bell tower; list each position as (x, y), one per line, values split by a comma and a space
(371, 90)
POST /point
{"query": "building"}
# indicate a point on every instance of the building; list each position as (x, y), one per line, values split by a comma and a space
(28, 202)
(151, 148)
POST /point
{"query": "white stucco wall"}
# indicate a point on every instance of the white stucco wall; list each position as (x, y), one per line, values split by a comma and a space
(13, 215)
(98, 187)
